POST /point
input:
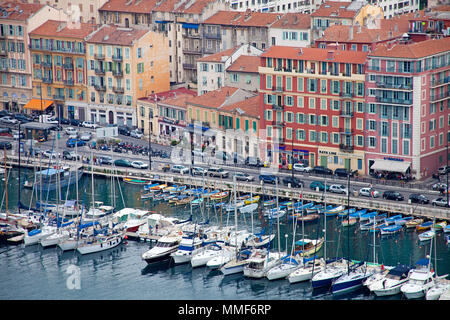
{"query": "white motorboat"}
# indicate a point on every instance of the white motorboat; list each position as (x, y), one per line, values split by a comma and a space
(55, 238)
(330, 272)
(163, 249)
(227, 254)
(288, 265)
(274, 213)
(259, 240)
(390, 283)
(427, 235)
(249, 208)
(419, 281)
(262, 262)
(100, 243)
(440, 286)
(237, 264)
(306, 271)
(208, 252)
(97, 212)
(188, 247)
(36, 235)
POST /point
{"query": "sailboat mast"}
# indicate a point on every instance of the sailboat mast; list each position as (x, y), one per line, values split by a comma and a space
(235, 213)
(6, 185)
(92, 175)
(348, 221)
(325, 225)
(278, 214)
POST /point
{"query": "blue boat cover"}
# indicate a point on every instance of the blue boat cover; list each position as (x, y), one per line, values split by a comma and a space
(423, 262)
(33, 232)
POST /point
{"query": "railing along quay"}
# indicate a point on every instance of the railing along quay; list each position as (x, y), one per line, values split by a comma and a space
(245, 187)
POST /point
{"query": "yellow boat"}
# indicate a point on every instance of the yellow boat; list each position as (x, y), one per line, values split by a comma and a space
(251, 200)
(159, 187)
(308, 247)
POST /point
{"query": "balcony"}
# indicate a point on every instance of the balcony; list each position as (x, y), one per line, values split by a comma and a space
(47, 80)
(277, 106)
(46, 64)
(99, 56)
(346, 148)
(117, 58)
(439, 82)
(3, 67)
(346, 94)
(118, 89)
(100, 71)
(189, 66)
(99, 87)
(279, 124)
(277, 89)
(388, 85)
(439, 96)
(117, 73)
(212, 36)
(68, 66)
(3, 52)
(59, 97)
(68, 82)
(346, 113)
(393, 101)
(192, 51)
(346, 131)
(192, 35)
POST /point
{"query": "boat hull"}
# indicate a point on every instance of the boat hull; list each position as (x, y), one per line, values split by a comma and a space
(160, 257)
(97, 247)
(301, 275)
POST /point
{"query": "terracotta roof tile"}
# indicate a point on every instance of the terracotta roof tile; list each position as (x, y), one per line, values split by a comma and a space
(160, 96)
(245, 64)
(179, 101)
(18, 10)
(340, 33)
(217, 57)
(111, 34)
(193, 6)
(52, 28)
(335, 9)
(213, 99)
(414, 50)
(315, 54)
(293, 21)
(245, 19)
(249, 106)
(133, 6)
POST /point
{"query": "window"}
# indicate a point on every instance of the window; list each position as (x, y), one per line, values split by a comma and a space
(301, 134)
(140, 67)
(300, 84)
(312, 136)
(323, 86)
(312, 103)
(405, 147)
(301, 118)
(372, 142)
(300, 102)
(139, 52)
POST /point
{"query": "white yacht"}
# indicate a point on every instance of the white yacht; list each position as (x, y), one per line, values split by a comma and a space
(306, 271)
(237, 264)
(391, 283)
(100, 243)
(227, 254)
(288, 264)
(188, 247)
(165, 246)
(420, 280)
(205, 254)
(261, 263)
(37, 235)
(330, 272)
(440, 286)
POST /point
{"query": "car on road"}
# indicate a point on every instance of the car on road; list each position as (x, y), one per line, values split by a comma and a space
(105, 159)
(301, 167)
(443, 170)
(338, 188)
(122, 163)
(393, 195)
(9, 120)
(322, 170)
(295, 182)
(139, 164)
(69, 155)
(319, 184)
(62, 120)
(70, 131)
(17, 134)
(369, 192)
(85, 136)
(50, 154)
(243, 176)
(89, 124)
(198, 171)
(343, 172)
(418, 198)
(75, 122)
(440, 202)
(124, 130)
(178, 168)
(136, 134)
(439, 186)
(5, 145)
(253, 162)
(70, 143)
(217, 172)
(22, 118)
(268, 178)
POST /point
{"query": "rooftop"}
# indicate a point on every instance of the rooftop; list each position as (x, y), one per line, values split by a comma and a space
(214, 99)
(178, 100)
(160, 96)
(245, 19)
(245, 64)
(413, 50)
(340, 33)
(293, 21)
(18, 10)
(315, 54)
(338, 9)
(111, 34)
(53, 28)
(132, 6)
(248, 107)
(219, 56)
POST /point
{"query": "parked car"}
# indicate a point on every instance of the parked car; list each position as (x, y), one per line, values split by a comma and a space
(136, 134)
(343, 172)
(393, 195)
(22, 118)
(253, 162)
(70, 143)
(322, 170)
(90, 124)
(338, 188)
(440, 202)
(268, 178)
(50, 154)
(139, 164)
(9, 120)
(69, 155)
(439, 187)
(178, 168)
(124, 130)
(444, 170)
(301, 167)
(85, 136)
(295, 182)
(243, 176)
(105, 159)
(418, 198)
(5, 145)
(70, 131)
(198, 171)
(62, 120)
(75, 122)
(217, 172)
(122, 163)
(318, 184)
(369, 192)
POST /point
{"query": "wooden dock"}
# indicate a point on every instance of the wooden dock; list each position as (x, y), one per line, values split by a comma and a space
(146, 238)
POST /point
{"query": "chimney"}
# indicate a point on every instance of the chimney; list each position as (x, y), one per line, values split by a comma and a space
(61, 26)
(300, 52)
(396, 28)
(330, 55)
(350, 33)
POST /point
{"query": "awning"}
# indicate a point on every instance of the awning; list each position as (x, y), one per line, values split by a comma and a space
(391, 165)
(190, 25)
(38, 104)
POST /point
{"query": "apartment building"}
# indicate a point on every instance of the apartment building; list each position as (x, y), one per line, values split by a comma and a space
(392, 8)
(312, 106)
(408, 107)
(122, 64)
(292, 29)
(243, 73)
(58, 57)
(429, 23)
(17, 19)
(279, 6)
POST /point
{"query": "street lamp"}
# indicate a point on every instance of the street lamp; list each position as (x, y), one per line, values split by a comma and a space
(149, 144)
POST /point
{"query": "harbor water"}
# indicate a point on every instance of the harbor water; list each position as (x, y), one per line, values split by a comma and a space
(34, 273)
